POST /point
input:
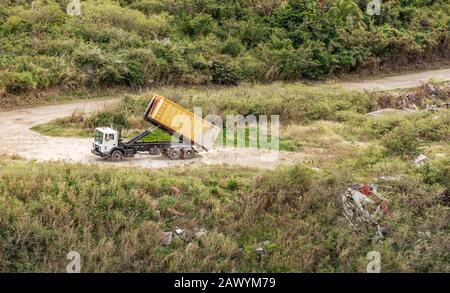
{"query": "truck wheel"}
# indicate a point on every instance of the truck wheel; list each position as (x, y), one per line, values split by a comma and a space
(188, 154)
(154, 152)
(117, 156)
(174, 154)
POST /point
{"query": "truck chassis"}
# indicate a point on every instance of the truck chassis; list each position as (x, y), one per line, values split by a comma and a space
(132, 147)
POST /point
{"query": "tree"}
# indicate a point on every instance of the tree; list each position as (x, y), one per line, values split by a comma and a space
(342, 10)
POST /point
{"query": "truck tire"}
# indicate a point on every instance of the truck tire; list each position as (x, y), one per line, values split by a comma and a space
(117, 156)
(188, 154)
(174, 154)
(154, 152)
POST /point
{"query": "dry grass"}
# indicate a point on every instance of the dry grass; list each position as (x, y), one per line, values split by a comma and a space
(110, 216)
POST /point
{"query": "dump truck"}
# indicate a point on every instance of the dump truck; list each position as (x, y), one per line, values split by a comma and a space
(188, 132)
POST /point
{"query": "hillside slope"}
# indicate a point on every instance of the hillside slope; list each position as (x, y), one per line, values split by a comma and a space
(148, 42)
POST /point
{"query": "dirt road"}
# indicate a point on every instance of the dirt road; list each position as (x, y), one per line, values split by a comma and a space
(399, 81)
(17, 138)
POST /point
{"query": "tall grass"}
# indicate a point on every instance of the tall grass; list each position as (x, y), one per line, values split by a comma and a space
(110, 217)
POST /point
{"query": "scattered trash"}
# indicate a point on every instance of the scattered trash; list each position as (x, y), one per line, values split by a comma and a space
(431, 89)
(189, 234)
(166, 238)
(432, 108)
(436, 108)
(411, 102)
(385, 180)
(259, 249)
(363, 204)
(421, 159)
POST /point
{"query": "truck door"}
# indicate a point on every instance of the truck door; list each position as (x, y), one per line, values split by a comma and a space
(110, 142)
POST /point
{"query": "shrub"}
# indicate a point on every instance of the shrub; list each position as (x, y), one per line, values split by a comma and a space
(438, 172)
(231, 47)
(18, 82)
(107, 12)
(402, 140)
(199, 25)
(223, 73)
(141, 67)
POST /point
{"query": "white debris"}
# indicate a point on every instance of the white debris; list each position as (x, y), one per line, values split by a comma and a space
(363, 205)
(431, 89)
(259, 250)
(179, 231)
(422, 159)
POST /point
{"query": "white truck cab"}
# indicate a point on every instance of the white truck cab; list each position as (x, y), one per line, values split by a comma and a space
(105, 139)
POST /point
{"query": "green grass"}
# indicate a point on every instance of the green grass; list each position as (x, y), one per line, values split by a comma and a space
(56, 129)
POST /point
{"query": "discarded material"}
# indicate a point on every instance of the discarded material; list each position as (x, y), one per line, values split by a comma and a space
(422, 159)
(363, 205)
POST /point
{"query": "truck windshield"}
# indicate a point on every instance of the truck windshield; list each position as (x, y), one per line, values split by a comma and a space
(98, 137)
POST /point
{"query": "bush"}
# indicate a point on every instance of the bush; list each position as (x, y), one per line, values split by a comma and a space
(223, 73)
(18, 82)
(128, 19)
(141, 67)
(199, 25)
(403, 141)
(231, 47)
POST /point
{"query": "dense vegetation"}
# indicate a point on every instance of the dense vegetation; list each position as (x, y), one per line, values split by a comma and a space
(150, 42)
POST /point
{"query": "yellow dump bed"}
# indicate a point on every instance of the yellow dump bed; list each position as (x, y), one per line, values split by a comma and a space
(177, 120)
